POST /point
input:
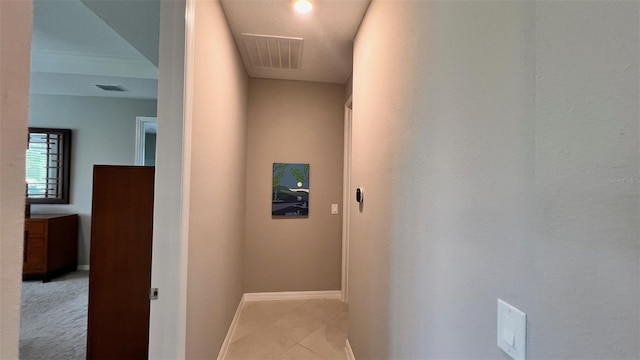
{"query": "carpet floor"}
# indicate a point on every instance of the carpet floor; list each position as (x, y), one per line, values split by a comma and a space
(53, 321)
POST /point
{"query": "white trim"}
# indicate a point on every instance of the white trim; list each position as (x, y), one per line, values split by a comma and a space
(346, 203)
(293, 295)
(232, 328)
(349, 351)
(83, 267)
(167, 327)
(141, 124)
(189, 70)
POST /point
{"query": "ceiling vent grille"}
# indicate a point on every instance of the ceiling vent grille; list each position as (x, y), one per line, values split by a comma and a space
(273, 52)
(117, 88)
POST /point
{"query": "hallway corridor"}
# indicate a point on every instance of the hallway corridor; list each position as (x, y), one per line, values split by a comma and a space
(290, 329)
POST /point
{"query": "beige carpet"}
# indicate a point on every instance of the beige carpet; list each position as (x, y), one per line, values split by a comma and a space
(53, 321)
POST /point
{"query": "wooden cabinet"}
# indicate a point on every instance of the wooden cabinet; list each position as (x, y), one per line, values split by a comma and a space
(120, 275)
(50, 246)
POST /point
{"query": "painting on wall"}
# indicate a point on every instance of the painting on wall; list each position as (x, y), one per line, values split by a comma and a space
(290, 191)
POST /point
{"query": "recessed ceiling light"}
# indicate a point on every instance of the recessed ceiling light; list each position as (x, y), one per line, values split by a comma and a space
(303, 6)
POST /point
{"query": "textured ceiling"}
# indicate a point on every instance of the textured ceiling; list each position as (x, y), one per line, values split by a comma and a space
(328, 33)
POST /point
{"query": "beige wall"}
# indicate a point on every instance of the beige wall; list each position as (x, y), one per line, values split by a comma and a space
(104, 132)
(497, 143)
(217, 181)
(296, 122)
(15, 45)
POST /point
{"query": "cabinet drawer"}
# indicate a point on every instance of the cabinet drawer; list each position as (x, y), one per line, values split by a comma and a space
(34, 255)
(35, 228)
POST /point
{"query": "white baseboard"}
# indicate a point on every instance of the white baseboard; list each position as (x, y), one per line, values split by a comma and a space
(83, 267)
(349, 351)
(232, 328)
(293, 295)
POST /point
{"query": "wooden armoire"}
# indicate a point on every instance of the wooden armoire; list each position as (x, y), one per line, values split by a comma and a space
(120, 262)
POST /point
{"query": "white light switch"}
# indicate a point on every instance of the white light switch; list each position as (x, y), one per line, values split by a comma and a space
(508, 330)
(334, 208)
(512, 330)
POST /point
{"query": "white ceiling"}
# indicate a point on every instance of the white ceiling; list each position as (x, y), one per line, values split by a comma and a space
(73, 49)
(137, 21)
(80, 43)
(328, 33)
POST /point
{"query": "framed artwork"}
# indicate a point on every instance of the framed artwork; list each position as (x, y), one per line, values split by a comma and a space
(290, 191)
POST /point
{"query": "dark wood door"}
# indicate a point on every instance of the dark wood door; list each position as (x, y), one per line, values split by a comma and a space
(120, 268)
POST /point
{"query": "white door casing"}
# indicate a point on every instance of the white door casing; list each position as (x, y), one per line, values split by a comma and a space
(346, 196)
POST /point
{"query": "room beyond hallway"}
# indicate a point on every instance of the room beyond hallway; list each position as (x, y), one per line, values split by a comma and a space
(290, 329)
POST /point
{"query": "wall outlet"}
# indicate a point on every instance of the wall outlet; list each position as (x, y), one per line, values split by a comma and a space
(512, 331)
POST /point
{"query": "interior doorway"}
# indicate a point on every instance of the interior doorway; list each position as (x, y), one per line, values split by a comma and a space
(146, 131)
(94, 82)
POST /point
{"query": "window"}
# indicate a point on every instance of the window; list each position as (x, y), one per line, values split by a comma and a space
(48, 166)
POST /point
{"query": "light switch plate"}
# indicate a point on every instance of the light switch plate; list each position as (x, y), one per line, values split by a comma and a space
(512, 331)
(334, 208)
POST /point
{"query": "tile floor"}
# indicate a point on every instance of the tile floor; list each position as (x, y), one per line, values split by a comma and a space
(290, 329)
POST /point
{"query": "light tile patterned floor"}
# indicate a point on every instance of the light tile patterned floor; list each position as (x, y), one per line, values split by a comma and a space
(290, 329)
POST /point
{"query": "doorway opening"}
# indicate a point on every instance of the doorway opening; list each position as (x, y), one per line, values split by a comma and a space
(95, 82)
(146, 130)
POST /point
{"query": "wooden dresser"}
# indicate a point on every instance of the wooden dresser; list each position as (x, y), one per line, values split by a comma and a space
(50, 246)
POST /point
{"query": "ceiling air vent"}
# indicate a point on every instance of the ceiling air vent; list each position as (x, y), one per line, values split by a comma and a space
(111, 87)
(273, 52)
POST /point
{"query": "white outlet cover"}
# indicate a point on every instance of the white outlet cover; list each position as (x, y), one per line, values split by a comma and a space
(512, 331)
(334, 208)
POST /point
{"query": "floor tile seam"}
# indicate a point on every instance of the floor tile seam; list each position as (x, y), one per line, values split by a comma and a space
(327, 342)
(297, 341)
(258, 327)
(308, 348)
(311, 333)
(286, 348)
(235, 339)
(277, 354)
(324, 322)
(242, 318)
(271, 328)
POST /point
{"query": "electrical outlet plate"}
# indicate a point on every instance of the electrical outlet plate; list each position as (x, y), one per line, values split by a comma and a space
(512, 331)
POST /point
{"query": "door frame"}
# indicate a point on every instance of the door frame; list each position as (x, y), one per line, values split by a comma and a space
(142, 123)
(346, 192)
